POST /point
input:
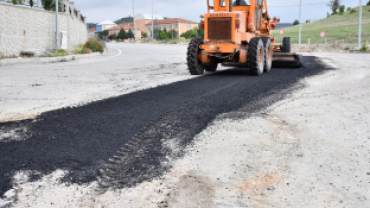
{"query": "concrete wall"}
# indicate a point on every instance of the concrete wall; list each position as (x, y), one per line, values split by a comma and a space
(23, 28)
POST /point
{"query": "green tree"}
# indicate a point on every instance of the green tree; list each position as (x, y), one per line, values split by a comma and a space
(17, 1)
(163, 35)
(105, 33)
(342, 8)
(130, 34)
(114, 36)
(175, 33)
(122, 34)
(296, 22)
(50, 5)
(201, 33)
(156, 33)
(334, 5)
(368, 3)
(190, 33)
(170, 34)
(349, 9)
(144, 34)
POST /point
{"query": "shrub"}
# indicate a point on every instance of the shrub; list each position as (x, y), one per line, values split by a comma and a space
(105, 33)
(349, 9)
(50, 5)
(364, 48)
(130, 34)
(144, 34)
(87, 50)
(342, 8)
(17, 1)
(94, 45)
(1, 55)
(296, 22)
(353, 11)
(163, 35)
(169, 34)
(122, 34)
(190, 33)
(114, 36)
(60, 52)
(79, 49)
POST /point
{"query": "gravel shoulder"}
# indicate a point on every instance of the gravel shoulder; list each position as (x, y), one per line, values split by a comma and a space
(310, 149)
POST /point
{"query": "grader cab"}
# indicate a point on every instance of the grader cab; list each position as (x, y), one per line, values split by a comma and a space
(238, 33)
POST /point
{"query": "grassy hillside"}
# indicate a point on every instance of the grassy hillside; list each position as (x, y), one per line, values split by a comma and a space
(338, 28)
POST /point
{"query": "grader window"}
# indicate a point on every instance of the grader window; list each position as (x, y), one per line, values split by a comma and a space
(210, 3)
(241, 3)
(264, 12)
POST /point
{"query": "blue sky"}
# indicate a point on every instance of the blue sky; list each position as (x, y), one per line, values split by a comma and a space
(99, 10)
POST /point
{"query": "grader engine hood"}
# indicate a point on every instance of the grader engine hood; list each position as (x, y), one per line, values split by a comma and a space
(224, 27)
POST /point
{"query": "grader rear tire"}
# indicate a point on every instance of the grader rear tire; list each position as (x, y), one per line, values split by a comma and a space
(256, 56)
(287, 45)
(268, 54)
(194, 65)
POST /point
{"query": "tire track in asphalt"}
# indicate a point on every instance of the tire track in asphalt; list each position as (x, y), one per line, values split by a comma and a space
(126, 140)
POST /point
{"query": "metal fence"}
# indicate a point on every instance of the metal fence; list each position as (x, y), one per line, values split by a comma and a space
(326, 40)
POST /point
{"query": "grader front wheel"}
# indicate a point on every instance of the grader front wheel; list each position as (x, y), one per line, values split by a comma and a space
(194, 65)
(256, 56)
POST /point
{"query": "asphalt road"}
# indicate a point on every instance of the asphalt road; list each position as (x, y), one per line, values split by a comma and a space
(119, 141)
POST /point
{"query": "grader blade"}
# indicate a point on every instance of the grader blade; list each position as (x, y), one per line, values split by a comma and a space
(283, 59)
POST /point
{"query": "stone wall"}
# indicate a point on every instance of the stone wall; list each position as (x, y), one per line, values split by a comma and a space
(30, 29)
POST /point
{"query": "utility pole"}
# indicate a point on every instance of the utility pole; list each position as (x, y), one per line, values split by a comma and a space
(57, 29)
(133, 12)
(152, 19)
(178, 25)
(300, 27)
(359, 26)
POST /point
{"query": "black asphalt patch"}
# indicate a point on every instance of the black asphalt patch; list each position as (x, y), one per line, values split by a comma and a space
(121, 141)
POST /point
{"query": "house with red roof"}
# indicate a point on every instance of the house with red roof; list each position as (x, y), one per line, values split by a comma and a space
(178, 24)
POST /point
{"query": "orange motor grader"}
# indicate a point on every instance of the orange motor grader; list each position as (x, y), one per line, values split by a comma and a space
(238, 33)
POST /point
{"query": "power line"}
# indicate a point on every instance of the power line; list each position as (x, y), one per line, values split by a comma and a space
(299, 5)
(302, 5)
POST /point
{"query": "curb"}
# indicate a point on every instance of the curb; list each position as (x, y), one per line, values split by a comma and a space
(7, 62)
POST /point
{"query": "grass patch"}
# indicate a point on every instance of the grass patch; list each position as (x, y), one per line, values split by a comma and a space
(338, 29)
(174, 41)
(364, 48)
(80, 49)
(60, 52)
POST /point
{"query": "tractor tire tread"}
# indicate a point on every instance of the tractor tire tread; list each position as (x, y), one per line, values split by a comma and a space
(252, 56)
(287, 45)
(192, 57)
(266, 65)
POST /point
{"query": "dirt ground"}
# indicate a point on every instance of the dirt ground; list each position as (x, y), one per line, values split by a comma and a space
(309, 150)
